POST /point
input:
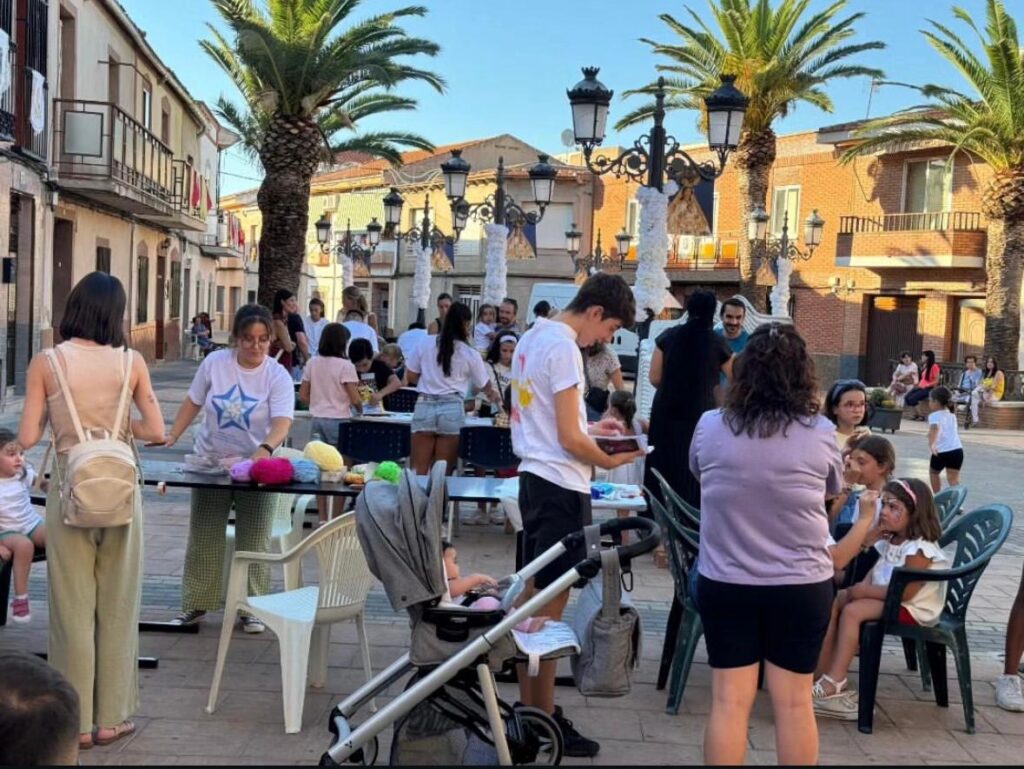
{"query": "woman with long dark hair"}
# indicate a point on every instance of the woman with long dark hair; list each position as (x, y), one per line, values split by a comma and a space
(688, 361)
(766, 463)
(95, 575)
(443, 370)
(992, 388)
(930, 373)
(289, 332)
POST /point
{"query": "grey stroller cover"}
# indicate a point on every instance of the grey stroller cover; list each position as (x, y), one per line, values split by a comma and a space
(399, 528)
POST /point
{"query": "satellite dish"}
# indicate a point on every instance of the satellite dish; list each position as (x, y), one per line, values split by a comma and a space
(568, 138)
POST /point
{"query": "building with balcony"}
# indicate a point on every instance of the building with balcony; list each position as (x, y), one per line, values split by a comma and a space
(352, 195)
(28, 30)
(133, 186)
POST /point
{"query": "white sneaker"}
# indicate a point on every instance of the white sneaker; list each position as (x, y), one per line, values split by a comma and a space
(479, 518)
(1008, 694)
(842, 706)
(252, 625)
(498, 516)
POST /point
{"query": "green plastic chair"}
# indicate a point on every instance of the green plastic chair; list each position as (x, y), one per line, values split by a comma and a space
(682, 544)
(689, 514)
(978, 535)
(949, 502)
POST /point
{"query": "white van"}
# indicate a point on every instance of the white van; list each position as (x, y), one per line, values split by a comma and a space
(558, 295)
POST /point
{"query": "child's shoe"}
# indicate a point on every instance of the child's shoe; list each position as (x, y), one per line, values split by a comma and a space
(20, 611)
(832, 700)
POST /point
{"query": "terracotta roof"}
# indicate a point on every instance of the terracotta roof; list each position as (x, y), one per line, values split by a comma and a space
(373, 167)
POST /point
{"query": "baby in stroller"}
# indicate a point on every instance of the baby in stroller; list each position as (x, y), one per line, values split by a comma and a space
(449, 712)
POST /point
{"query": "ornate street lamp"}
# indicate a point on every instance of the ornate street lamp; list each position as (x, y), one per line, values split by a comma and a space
(774, 248)
(426, 234)
(499, 207)
(657, 155)
(343, 243)
(597, 261)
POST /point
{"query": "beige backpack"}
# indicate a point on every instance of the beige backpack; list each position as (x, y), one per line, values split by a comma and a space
(101, 483)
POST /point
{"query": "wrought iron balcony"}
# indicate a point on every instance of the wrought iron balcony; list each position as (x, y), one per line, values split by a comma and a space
(8, 110)
(926, 221)
(925, 239)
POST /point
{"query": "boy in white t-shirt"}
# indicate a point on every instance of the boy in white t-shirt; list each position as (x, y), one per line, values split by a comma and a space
(549, 434)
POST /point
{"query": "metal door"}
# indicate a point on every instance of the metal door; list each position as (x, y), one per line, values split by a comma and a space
(892, 328)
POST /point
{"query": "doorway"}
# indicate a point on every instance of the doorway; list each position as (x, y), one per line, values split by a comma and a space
(20, 300)
(970, 329)
(61, 262)
(892, 328)
(161, 294)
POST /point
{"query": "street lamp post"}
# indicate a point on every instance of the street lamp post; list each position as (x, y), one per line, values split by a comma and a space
(656, 156)
(500, 207)
(598, 260)
(783, 251)
(427, 234)
(344, 247)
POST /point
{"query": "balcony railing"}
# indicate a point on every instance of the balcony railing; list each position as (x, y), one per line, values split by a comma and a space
(692, 252)
(96, 140)
(184, 176)
(928, 221)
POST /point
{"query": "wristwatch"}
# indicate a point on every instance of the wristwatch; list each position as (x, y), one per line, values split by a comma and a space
(267, 447)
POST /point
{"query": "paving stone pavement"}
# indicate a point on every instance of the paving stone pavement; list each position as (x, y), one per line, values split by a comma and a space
(247, 726)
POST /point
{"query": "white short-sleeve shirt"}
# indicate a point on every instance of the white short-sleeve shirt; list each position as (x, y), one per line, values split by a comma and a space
(467, 368)
(949, 436)
(238, 404)
(547, 361)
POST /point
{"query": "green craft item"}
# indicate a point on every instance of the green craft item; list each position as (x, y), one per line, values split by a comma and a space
(388, 471)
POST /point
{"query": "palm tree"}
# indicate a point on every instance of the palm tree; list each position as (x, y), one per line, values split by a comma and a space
(304, 79)
(987, 122)
(781, 56)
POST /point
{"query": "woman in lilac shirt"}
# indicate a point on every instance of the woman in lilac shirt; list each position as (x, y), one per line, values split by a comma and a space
(766, 462)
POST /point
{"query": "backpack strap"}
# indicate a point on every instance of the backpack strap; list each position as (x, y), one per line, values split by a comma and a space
(611, 593)
(62, 383)
(122, 403)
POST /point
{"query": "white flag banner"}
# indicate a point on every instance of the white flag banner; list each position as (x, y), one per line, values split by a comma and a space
(5, 62)
(37, 114)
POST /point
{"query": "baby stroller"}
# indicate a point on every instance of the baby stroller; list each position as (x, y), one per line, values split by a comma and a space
(449, 712)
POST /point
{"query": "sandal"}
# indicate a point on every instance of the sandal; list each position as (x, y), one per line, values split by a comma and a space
(123, 729)
(85, 740)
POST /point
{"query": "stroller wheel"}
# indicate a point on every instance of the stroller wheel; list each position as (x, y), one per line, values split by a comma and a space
(539, 741)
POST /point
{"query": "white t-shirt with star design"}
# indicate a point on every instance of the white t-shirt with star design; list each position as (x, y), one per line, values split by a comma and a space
(238, 403)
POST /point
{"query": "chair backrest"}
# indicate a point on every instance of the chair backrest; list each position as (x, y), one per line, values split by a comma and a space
(949, 502)
(370, 441)
(402, 400)
(977, 536)
(681, 542)
(345, 578)
(689, 513)
(489, 448)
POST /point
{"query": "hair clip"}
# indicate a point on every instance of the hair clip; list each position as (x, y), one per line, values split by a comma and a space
(773, 332)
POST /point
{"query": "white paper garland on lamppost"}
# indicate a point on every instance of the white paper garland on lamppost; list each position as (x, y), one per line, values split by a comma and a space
(421, 279)
(347, 270)
(652, 250)
(780, 292)
(496, 264)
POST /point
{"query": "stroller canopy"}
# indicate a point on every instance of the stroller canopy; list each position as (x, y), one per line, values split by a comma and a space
(399, 528)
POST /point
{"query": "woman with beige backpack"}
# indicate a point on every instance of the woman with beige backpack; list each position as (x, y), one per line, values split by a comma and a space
(82, 389)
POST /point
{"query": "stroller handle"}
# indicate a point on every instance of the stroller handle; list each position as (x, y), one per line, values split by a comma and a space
(650, 536)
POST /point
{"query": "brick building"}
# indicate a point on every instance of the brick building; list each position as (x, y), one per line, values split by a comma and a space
(901, 263)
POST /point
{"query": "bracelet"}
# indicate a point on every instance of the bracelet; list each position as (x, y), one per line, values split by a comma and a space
(267, 447)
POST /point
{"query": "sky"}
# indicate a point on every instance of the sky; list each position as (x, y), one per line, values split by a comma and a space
(507, 65)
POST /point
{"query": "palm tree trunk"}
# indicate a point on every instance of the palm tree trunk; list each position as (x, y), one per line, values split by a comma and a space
(290, 152)
(1005, 252)
(753, 158)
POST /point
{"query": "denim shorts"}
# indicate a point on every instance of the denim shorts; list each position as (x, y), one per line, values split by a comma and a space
(440, 414)
(326, 429)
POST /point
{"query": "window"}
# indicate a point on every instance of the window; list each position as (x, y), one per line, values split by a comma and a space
(103, 259)
(928, 186)
(220, 299)
(633, 218)
(469, 296)
(165, 121)
(142, 308)
(786, 210)
(147, 105)
(714, 215)
(236, 300)
(175, 289)
(252, 297)
(551, 229)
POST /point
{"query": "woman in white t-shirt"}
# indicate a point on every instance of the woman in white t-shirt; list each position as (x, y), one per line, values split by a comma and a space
(943, 439)
(442, 373)
(247, 402)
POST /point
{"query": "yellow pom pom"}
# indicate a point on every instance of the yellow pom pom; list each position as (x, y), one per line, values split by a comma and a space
(326, 457)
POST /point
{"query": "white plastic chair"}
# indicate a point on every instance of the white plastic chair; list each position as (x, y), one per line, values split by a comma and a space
(285, 533)
(302, 618)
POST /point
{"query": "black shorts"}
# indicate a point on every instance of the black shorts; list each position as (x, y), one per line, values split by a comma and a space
(550, 512)
(781, 624)
(947, 460)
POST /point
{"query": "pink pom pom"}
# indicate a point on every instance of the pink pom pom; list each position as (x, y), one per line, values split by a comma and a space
(241, 472)
(272, 471)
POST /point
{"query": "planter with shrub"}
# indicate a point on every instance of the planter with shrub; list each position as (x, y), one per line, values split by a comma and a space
(884, 413)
